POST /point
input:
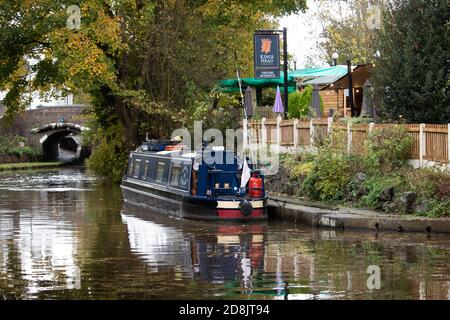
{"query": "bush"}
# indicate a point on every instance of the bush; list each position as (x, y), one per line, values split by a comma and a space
(110, 154)
(283, 182)
(299, 103)
(293, 169)
(433, 189)
(329, 176)
(389, 147)
(427, 182)
(302, 170)
(322, 175)
(17, 146)
(437, 208)
(375, 186)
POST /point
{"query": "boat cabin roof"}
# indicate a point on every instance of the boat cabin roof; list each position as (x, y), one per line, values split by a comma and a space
(216, 170)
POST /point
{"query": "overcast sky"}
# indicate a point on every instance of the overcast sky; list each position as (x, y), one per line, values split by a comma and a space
(304, 32)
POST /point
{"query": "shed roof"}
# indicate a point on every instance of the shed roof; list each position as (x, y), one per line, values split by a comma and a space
(319, 81)
(359, 76)
(335, 71)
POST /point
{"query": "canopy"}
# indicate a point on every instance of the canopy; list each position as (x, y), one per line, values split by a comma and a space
(334, 71)
(359, 76)
(231, 85)
(257, 82)
(321, 81)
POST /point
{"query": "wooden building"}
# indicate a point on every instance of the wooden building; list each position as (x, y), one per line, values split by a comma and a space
(334, 90)
(332, 82)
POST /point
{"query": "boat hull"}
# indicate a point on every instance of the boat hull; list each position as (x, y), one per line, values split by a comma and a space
(185, 206)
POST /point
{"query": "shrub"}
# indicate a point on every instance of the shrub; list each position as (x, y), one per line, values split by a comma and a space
(375, 186)
(329, 176)
(11, 143)
(110, 154)
(437, 208)
(427, 182)
(300, 101)
(329, 171)
(16, 145)
(293, 169)
(433, 189)
(389, 147)
(301, 170)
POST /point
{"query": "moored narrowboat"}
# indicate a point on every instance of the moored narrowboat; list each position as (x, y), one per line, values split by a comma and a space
(212, 184)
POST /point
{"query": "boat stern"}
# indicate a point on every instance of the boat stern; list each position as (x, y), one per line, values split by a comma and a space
(242, 209)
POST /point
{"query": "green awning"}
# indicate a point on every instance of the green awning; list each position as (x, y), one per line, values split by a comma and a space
(232, 85)
(257, 82)
(336, 71)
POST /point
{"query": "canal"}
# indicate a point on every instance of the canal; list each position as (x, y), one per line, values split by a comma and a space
(65, 234)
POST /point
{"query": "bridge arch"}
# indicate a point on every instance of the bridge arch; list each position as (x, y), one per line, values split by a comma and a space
(61, 141)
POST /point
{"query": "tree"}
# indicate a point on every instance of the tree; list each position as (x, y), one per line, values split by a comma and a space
(412, 73)
(38, 51)
(143, 63)
(346, 31)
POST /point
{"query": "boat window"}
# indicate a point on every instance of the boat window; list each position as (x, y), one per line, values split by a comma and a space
(144, 175)
(160, 172)
(137, 167)
(175, 175)
(130, 168)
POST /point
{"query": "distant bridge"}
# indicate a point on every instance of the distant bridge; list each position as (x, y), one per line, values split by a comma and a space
(54, 130)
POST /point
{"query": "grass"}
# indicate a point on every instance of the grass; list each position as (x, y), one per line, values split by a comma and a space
(29, 165)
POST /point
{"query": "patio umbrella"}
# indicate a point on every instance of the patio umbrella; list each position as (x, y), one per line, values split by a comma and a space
(367, 109)
(248, 105)
(315, 102)
(278, 105)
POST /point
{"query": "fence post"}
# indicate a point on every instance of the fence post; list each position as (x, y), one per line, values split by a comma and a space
(279, 131)
(371, 125)
(349, 137)
(245, 133)
(296, 134)
(263, 132)
(421, 143)
(311, 133)
(330, 122)
(448, 144)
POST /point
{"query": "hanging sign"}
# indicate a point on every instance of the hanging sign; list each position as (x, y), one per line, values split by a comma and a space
(267, 55)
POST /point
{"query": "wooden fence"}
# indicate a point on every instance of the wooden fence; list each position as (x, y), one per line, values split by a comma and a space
(430, 141)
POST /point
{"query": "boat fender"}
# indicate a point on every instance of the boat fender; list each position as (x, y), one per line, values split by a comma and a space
(245, 207)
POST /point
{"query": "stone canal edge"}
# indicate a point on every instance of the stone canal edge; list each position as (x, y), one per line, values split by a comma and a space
(319, 215)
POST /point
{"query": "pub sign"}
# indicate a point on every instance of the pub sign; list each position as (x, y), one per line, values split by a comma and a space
(267, 55)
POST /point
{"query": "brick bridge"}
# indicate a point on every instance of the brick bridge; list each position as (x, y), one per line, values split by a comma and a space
(50, 129)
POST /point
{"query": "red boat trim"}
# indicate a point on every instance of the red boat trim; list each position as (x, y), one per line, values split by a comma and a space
(236, 214)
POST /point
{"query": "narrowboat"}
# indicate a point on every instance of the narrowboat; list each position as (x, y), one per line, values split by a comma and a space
(210, 184)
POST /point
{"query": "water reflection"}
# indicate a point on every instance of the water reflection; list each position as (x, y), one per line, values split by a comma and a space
(158, 246)
(69, 236)
(227, 253)
(46, 253)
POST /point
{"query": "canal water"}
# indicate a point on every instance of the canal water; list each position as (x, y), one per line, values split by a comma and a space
(64, 234)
